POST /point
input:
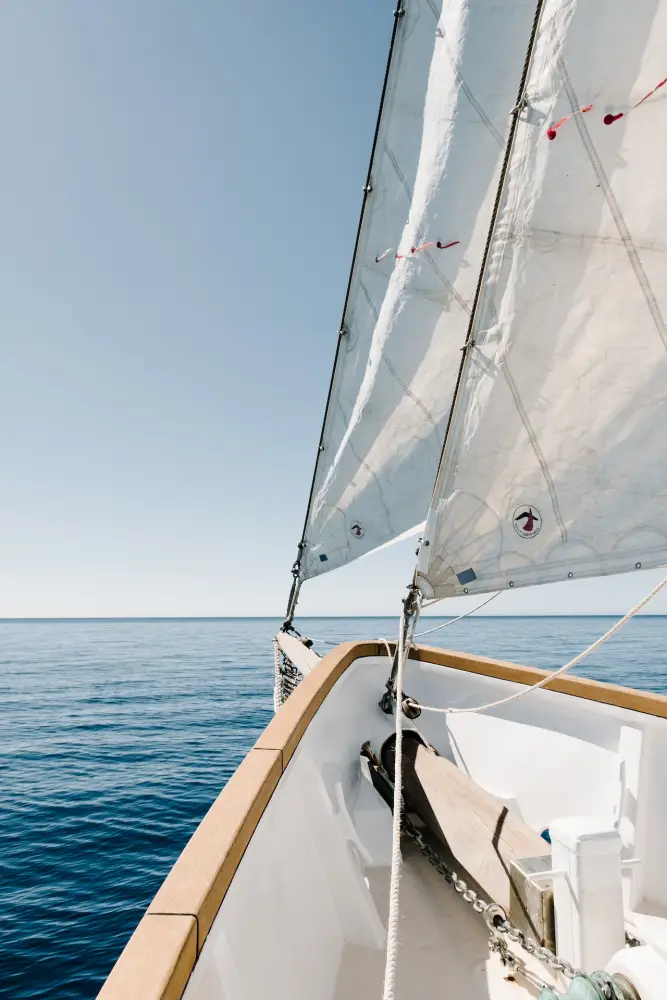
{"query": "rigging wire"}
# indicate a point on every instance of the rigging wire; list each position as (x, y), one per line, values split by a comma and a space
(418, 635)
(551, 676)
(486, 256)
(368, 187)
(453, 621)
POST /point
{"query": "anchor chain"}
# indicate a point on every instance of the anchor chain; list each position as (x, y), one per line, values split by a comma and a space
(494, 915)
(597, 986)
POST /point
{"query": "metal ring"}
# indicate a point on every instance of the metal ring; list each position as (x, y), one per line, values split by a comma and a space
(494, 915)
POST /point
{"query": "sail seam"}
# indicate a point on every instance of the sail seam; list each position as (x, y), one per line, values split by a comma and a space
(394, 162)
(408, 392)
(539, 454)
(614, 208)
(583, 238)
(469, 340)
(447, 283)
(406, 388)
(484, 118)
(369, 300)
(371, 472)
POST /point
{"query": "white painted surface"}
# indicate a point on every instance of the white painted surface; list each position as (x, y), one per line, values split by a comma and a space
(534, 761)
(305, 915)
(644, 968)
(632, 821)
(303, 658)
(588, 897)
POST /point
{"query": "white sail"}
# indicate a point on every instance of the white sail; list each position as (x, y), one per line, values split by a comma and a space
(453, 80)
(556, 462)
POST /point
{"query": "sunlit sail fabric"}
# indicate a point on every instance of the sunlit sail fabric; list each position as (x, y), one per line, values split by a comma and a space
(556, 463)
(453, 81)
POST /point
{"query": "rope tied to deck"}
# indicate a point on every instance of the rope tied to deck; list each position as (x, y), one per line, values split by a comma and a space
(546, 680)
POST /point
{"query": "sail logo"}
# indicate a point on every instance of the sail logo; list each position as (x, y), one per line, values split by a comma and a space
(527, 521)
(357, 529)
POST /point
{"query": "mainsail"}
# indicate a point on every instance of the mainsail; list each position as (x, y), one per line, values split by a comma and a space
(451, 84)
(555, 465)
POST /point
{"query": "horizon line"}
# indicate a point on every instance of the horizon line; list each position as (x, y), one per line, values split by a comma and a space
(259, 618)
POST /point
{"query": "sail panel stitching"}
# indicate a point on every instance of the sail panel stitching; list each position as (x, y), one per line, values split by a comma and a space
(394, 162)
(371, 472)
(481, 113)
(448, 284)
(539, 454)
(406, 389)
(369, 300)
(614, 208)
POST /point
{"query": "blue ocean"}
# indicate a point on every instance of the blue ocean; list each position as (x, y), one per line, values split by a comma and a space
(116, 735)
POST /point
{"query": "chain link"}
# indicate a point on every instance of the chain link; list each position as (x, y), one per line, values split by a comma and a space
(494, 915)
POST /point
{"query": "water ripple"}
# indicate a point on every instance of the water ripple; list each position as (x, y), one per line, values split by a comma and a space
(115, 737)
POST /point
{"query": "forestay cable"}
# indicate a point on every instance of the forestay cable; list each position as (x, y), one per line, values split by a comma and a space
(453, 621)
(546, 680)
(418, 635)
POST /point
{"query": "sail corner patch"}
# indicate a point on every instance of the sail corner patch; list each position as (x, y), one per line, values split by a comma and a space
(466, 576)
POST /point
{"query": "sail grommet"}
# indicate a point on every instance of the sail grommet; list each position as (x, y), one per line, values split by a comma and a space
(638, 565)
(570, 575)
(511, 583)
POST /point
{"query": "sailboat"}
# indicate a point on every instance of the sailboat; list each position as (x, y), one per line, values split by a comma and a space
(416, 822)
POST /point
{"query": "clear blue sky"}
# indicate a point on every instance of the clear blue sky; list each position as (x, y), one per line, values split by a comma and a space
(179, 190)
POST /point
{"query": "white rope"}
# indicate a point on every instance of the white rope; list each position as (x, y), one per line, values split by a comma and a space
(454, 620)
(387, 647)
(546, 680)
(404, 639)
(389, 990)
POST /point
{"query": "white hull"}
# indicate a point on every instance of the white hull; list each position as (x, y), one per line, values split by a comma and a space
(283, 890)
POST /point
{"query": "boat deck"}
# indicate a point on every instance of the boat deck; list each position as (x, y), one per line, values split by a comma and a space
(284, 886)
(443, 944)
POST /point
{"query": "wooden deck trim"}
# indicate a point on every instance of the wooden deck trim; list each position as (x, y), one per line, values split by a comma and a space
(158, 958)
(285, 730)
(160, 955)
(579, 687)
